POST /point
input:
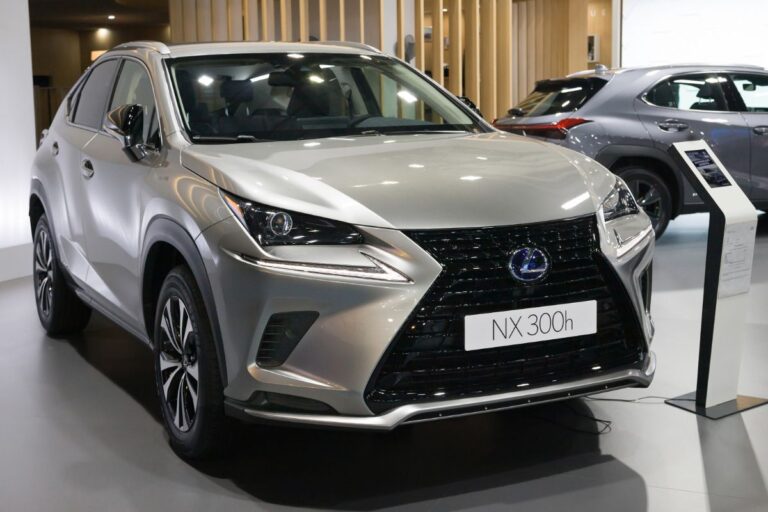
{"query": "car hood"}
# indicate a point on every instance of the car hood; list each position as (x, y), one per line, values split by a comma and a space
(422, 181)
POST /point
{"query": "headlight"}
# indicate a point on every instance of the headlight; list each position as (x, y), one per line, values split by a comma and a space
(274, 226)
(619, 202)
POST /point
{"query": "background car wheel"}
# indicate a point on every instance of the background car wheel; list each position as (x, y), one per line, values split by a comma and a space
(651, 193)
(187, 370)
(60, 310)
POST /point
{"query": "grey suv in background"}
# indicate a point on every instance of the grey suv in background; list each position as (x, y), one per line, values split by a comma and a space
(626, 119)
(319, 234)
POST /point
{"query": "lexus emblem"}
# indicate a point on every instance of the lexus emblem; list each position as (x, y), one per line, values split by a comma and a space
(529, 264)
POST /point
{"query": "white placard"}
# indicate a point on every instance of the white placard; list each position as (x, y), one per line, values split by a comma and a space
(516, 327)
(736, 263)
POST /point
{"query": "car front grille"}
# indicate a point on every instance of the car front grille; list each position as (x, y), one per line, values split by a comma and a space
(427, 361)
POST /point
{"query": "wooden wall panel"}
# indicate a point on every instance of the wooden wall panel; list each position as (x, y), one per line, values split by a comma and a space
(235, 20)
(286, 25)
(219, 20)
(488, 64)
(400, 15)
(190, 21)
(176, 16)
(472, 56)
(251, 17)
(204, 23)
(437, 41)
(455, 47)
(323, 19)
(418, 6)
(504, 57)
(303, 20)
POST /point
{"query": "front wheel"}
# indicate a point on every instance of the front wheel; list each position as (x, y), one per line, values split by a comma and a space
(187, 370)
(651, 193)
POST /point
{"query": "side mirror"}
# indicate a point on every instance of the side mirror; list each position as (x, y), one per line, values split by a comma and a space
(471, 104)
(126, 124)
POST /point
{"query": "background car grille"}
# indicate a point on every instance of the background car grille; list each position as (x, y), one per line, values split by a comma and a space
(427, 361)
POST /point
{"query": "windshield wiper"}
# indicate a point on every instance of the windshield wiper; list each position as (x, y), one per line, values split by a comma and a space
(417, 131)
(228, 138)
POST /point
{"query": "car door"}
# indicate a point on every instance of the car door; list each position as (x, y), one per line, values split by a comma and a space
(752, 90)
(695, 106)
(82, 124)
(115, 199)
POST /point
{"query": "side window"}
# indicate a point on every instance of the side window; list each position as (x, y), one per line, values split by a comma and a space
(94, 94)
(753, 90)
(135, 88)
(690, 92)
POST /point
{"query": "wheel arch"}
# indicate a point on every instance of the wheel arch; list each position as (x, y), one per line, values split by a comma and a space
(166, 245)
(615, 157)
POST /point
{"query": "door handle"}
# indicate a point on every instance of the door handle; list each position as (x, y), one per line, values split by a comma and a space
(87, 169)
(672, 125)
(55, 148)
(760, 130)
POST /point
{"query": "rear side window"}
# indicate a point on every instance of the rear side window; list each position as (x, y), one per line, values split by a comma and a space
(690, 92)
(558, 96)
(753, 89)
(94, 94)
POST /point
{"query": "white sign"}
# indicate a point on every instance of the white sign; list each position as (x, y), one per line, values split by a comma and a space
(736, 263)
(505, 328)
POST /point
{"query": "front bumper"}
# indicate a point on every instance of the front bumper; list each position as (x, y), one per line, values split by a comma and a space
(419, 413)
(357, 322)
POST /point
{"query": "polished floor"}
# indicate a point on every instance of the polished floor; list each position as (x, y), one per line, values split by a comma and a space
(79, 431)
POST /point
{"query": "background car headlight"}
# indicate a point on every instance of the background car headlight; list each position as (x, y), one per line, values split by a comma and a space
(619, 202)
(274, 226)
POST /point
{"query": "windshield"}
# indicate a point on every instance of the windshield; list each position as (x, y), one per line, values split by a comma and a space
(558, 96)
(254, 97)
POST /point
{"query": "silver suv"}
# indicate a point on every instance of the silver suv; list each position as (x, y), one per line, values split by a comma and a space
(627, 119)
(319, 234)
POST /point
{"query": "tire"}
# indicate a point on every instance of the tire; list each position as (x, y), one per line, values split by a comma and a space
(652, 194)
(187, 374)
(60, 310)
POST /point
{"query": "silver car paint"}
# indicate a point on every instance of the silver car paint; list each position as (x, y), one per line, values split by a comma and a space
(100, 229)
(620, 117)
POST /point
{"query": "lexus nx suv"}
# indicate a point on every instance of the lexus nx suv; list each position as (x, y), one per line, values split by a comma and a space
(627, 119)
(319, 234)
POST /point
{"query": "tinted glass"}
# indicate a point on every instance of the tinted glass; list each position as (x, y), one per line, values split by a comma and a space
(135, 88)
(753, 90)
(293, 96)
(558, 96)
(94, 94)
(690, 92)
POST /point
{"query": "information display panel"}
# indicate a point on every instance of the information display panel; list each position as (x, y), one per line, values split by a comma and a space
(727, 276)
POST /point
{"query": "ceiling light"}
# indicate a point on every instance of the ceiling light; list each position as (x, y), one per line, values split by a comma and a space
(111, 17)
(315, 79)
(471, 178)
(295, 56)
(260, 78)
(205, 80)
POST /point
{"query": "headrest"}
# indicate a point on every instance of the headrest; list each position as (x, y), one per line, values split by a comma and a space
(236, 91)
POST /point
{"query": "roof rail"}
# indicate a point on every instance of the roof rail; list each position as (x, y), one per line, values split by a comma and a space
(348, 44)
(146, 45)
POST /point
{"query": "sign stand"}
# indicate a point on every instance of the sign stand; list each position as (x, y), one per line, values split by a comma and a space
(728, 270)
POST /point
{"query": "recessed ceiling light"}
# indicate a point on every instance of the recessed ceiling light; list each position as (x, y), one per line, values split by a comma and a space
(111, 17)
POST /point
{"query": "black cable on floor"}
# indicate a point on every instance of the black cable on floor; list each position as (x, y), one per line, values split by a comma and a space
(606, 425)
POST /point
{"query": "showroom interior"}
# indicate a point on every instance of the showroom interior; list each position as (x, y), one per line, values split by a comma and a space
(83, 428)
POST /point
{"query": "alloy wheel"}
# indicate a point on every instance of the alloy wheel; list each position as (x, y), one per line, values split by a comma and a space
(179, 364)
(648, 198)
(44, 273)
